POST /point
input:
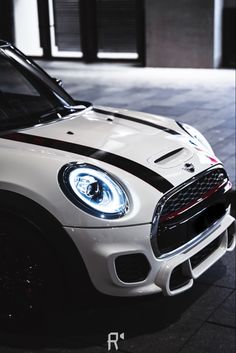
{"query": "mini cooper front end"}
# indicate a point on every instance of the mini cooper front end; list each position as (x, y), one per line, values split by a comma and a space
(137, 203)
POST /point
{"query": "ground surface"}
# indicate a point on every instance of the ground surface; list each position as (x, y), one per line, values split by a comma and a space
(201, 320)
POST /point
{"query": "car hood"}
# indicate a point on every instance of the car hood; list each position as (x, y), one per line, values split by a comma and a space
(153, 142)
(149, 155)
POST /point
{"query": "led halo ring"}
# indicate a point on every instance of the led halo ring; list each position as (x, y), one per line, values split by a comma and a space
(93, 190)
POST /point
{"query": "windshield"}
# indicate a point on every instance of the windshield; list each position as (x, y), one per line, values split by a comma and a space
(24, 99)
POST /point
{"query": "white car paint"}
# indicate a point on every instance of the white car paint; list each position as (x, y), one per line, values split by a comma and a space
(30, 167)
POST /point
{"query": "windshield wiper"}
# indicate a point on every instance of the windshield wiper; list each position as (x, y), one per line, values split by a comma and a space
(53, 114)
(61, 111)
(80, 105)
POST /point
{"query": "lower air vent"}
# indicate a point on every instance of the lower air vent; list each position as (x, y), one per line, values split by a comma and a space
(178, 279)
(132, 268)
(205, 252)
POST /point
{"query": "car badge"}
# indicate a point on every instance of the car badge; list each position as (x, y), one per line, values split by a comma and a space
(189, 167)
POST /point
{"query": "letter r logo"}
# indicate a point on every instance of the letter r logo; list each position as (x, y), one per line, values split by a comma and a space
(113, 337)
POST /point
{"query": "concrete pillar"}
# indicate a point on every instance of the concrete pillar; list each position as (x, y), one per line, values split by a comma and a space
(27, 27)
(183, 33)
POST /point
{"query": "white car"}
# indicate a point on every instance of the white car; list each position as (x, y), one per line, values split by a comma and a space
(135, 203)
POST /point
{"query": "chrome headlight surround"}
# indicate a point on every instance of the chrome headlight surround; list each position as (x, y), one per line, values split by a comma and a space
(93, 190)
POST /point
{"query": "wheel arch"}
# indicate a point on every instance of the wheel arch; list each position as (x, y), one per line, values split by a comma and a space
(73, 268)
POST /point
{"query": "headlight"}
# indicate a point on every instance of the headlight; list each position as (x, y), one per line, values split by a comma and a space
(93, 190)
(197, 135)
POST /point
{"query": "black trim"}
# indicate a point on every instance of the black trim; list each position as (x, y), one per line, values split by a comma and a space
(44, 25)
(136, 120)
(152, 178)
(181, 126)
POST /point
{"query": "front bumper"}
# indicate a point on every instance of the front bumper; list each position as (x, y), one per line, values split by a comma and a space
(171, 274)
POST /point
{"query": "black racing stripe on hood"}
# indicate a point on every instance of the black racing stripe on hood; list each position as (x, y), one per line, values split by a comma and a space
(152, 178)
(136, 120)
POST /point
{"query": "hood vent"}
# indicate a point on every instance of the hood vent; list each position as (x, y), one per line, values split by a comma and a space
(171, 157)
(167, 155)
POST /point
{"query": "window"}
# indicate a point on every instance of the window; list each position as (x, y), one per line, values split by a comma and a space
(23, 98)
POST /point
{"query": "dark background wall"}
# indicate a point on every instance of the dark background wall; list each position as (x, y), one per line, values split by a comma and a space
(230, 3)
(229, 34)
(180, 33)
(6, 20)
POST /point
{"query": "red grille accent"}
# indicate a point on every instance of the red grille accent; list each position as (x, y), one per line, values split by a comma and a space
(194, 193)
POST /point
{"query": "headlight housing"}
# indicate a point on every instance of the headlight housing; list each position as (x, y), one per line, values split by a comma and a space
(197, 135)
(93, 190)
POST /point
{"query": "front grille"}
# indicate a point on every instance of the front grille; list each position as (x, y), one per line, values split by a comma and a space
(190, 210)
(193, 193)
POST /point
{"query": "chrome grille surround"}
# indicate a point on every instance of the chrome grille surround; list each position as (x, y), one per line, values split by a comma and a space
(215, 179)
(194, 193)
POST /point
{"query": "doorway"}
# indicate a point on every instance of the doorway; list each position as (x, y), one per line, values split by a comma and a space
(96, 29)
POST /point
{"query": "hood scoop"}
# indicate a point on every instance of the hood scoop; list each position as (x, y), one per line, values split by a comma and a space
(167, 155)
(171, 158)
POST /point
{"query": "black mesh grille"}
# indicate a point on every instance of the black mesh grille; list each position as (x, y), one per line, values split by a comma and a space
(194, 193)
(191, 209)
